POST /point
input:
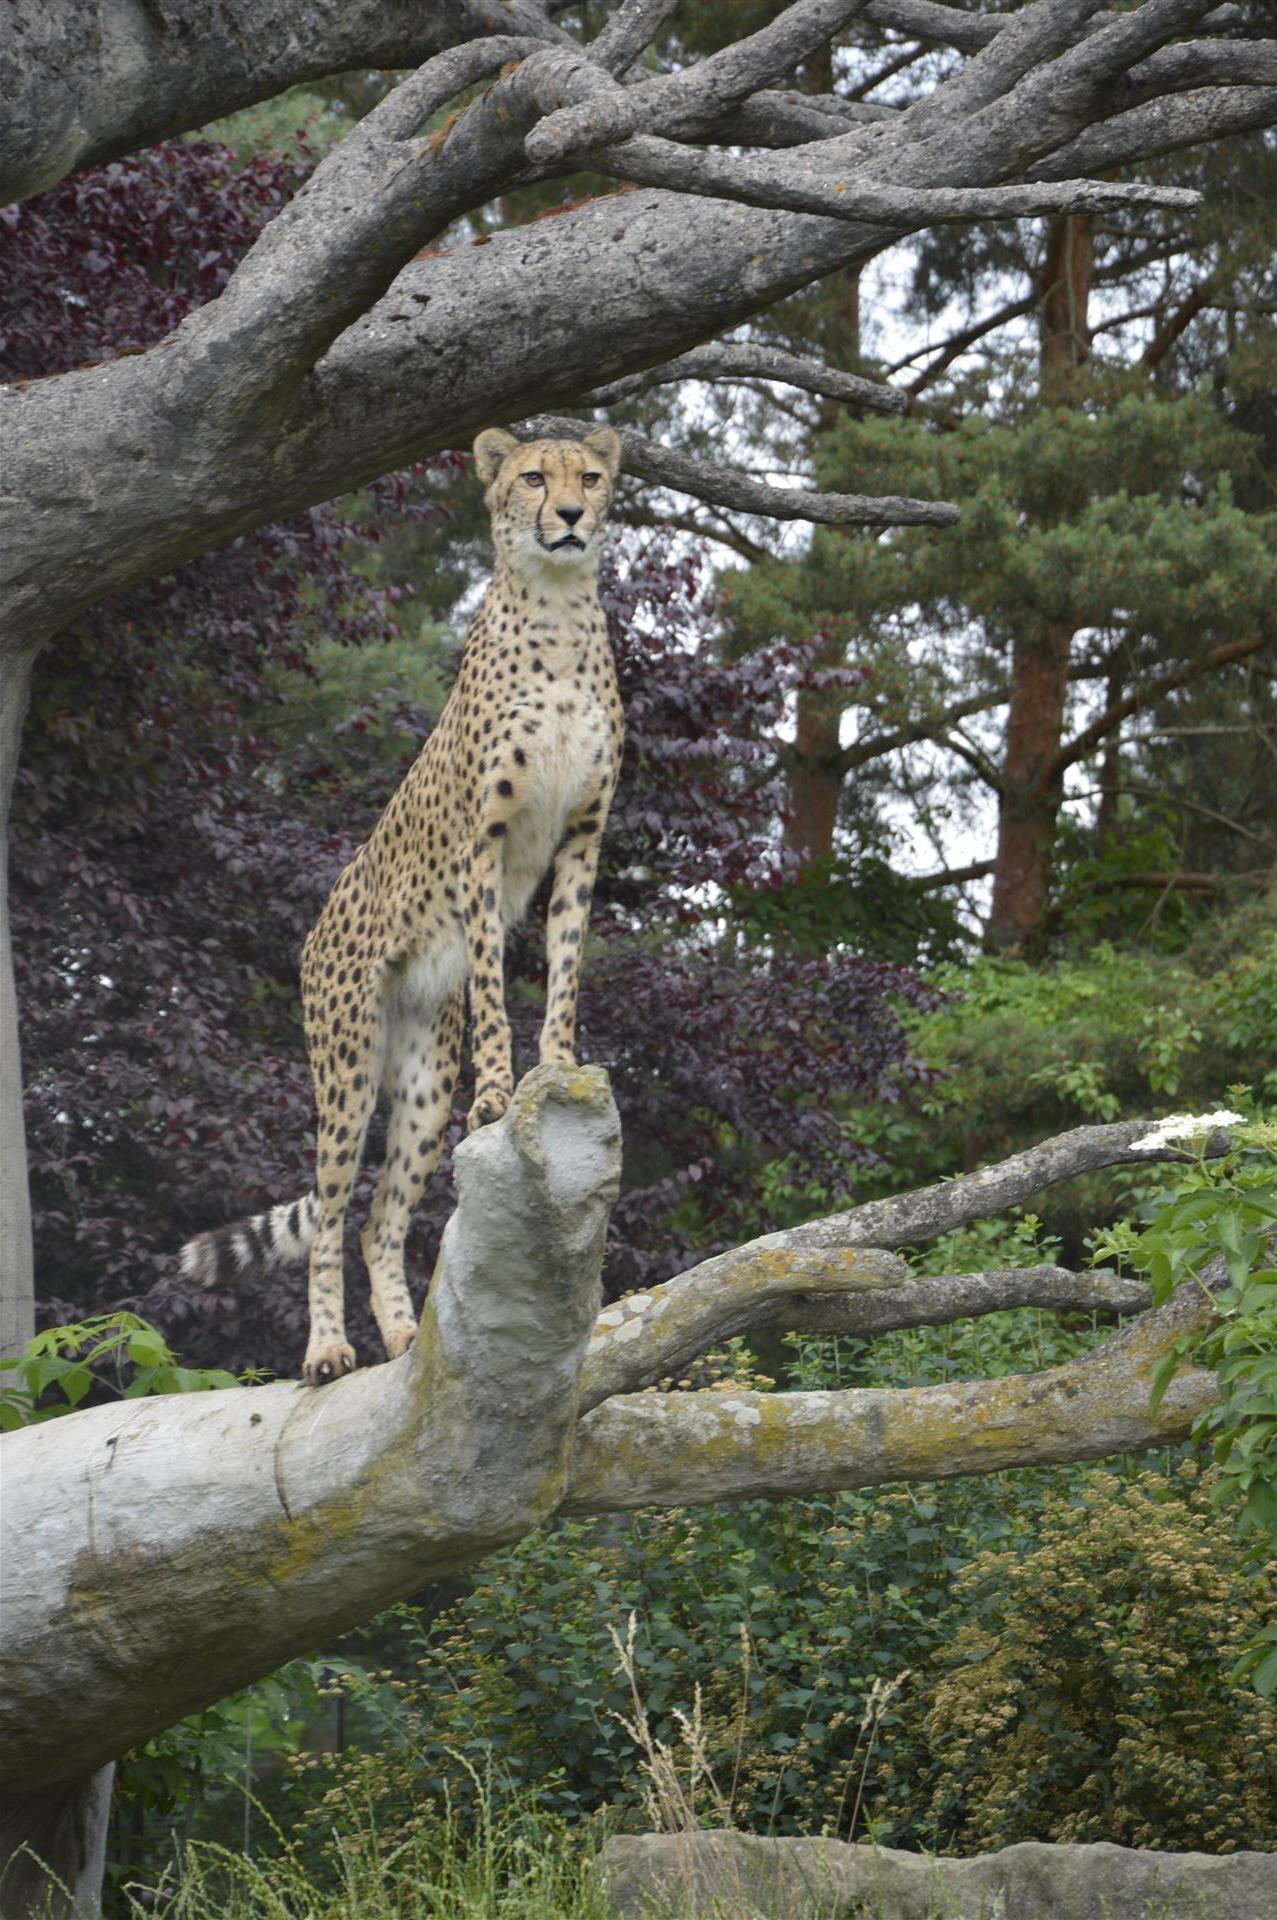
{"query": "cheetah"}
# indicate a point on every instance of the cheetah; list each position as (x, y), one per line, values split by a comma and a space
(516, 777)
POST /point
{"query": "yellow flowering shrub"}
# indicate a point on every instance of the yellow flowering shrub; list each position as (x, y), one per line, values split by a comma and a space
(1088, 1695)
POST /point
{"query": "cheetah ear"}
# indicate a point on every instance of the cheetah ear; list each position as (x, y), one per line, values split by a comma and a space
(491, 449)
(605, 444)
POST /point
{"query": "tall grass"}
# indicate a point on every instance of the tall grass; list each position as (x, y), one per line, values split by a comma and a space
(518, 1863)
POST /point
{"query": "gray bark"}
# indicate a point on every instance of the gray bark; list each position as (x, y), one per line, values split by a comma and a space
(160, 1553)
(53, 1848)
(17, 1300)
(334, 355)
(85, 81)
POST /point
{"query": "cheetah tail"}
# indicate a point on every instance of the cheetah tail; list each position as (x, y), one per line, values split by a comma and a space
(249, 1249)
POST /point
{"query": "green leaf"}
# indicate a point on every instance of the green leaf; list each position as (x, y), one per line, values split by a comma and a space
(1163, 1373)
(147, 1349)
(1265, 1677)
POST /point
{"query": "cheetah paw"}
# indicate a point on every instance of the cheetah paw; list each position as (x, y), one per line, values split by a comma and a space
(488, 1106)
(327, 1360)
(399, 1339)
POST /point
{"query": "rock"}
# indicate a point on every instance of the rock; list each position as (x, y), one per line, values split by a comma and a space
(737, 1876)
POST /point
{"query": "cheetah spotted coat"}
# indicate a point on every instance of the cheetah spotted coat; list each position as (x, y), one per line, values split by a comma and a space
(516, 777)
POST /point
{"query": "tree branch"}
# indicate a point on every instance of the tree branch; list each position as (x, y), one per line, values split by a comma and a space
(1205, 63)
(725, 487)
(629, 32)
(908, 1219)
(1162, 126)
(726, 361)
(761, 183)
(790, 119)
(953, 876)
(930, 727)
(716, 528)
(679, 1449)
(1143, 695)
(122, 471)
(680, 105)
(83, 83)
(860, 1292)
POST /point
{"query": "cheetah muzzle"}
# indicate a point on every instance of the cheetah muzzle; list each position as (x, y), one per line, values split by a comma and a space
(516, 779)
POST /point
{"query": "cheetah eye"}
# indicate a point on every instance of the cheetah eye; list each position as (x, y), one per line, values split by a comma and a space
(532, 479)
(590, 479)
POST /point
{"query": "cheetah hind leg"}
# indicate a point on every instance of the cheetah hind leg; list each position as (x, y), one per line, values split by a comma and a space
(421, 1073)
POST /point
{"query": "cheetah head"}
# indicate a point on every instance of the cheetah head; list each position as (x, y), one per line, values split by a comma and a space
(548, 498)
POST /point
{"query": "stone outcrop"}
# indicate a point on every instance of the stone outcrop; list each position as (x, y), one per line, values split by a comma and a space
(738, 1876)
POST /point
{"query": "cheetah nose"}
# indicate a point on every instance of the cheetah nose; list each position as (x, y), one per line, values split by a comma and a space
(571, 514)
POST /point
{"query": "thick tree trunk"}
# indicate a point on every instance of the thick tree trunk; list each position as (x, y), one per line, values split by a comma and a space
(1029, 800)
(814, 782)
(17, 1308)
(53, 1849)
(815, 776)
(1030, 791)
(161, 1553)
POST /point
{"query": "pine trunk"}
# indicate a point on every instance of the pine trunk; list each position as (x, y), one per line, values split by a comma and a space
(1029, 799)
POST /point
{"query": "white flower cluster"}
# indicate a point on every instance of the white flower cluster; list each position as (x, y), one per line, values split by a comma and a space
(1185, 1126)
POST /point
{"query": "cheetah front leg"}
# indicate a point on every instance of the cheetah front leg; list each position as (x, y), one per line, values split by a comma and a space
(346, 1066)
(575, 866)
(485, 941)
(421, 1072)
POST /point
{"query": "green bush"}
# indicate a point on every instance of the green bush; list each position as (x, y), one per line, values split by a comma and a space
(1087, 1696)
(1024, 1050)
(839, 1596)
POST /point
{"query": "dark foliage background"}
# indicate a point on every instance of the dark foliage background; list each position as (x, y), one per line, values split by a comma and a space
(174, 843)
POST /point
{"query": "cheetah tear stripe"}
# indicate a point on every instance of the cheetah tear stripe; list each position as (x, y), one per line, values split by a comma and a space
(248, 1250)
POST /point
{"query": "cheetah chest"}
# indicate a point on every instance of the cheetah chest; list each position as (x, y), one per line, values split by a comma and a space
(564, 770)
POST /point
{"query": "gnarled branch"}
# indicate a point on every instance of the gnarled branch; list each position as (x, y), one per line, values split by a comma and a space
(725, 487)
(860, 1292)
(725, 360)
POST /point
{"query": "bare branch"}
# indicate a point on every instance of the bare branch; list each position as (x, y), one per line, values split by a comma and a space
(725, 487)
(929, 727)
(1205, 63)
(860, 1292)
(1162, 126)
(678, 1449)
(726, 361)
(950, 349)
(663, 163)
(630, 30)
(647, 1336)
(910, 1218)
(717, 527)
(380, 195)
(1058, 97)
(84, 83)
(788, 119)
(681, 104)
(1024, 41)
(979, 762)
(953, 876)
(969, 32)
(1145, 693)
(1139, 790)
(946, 26)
